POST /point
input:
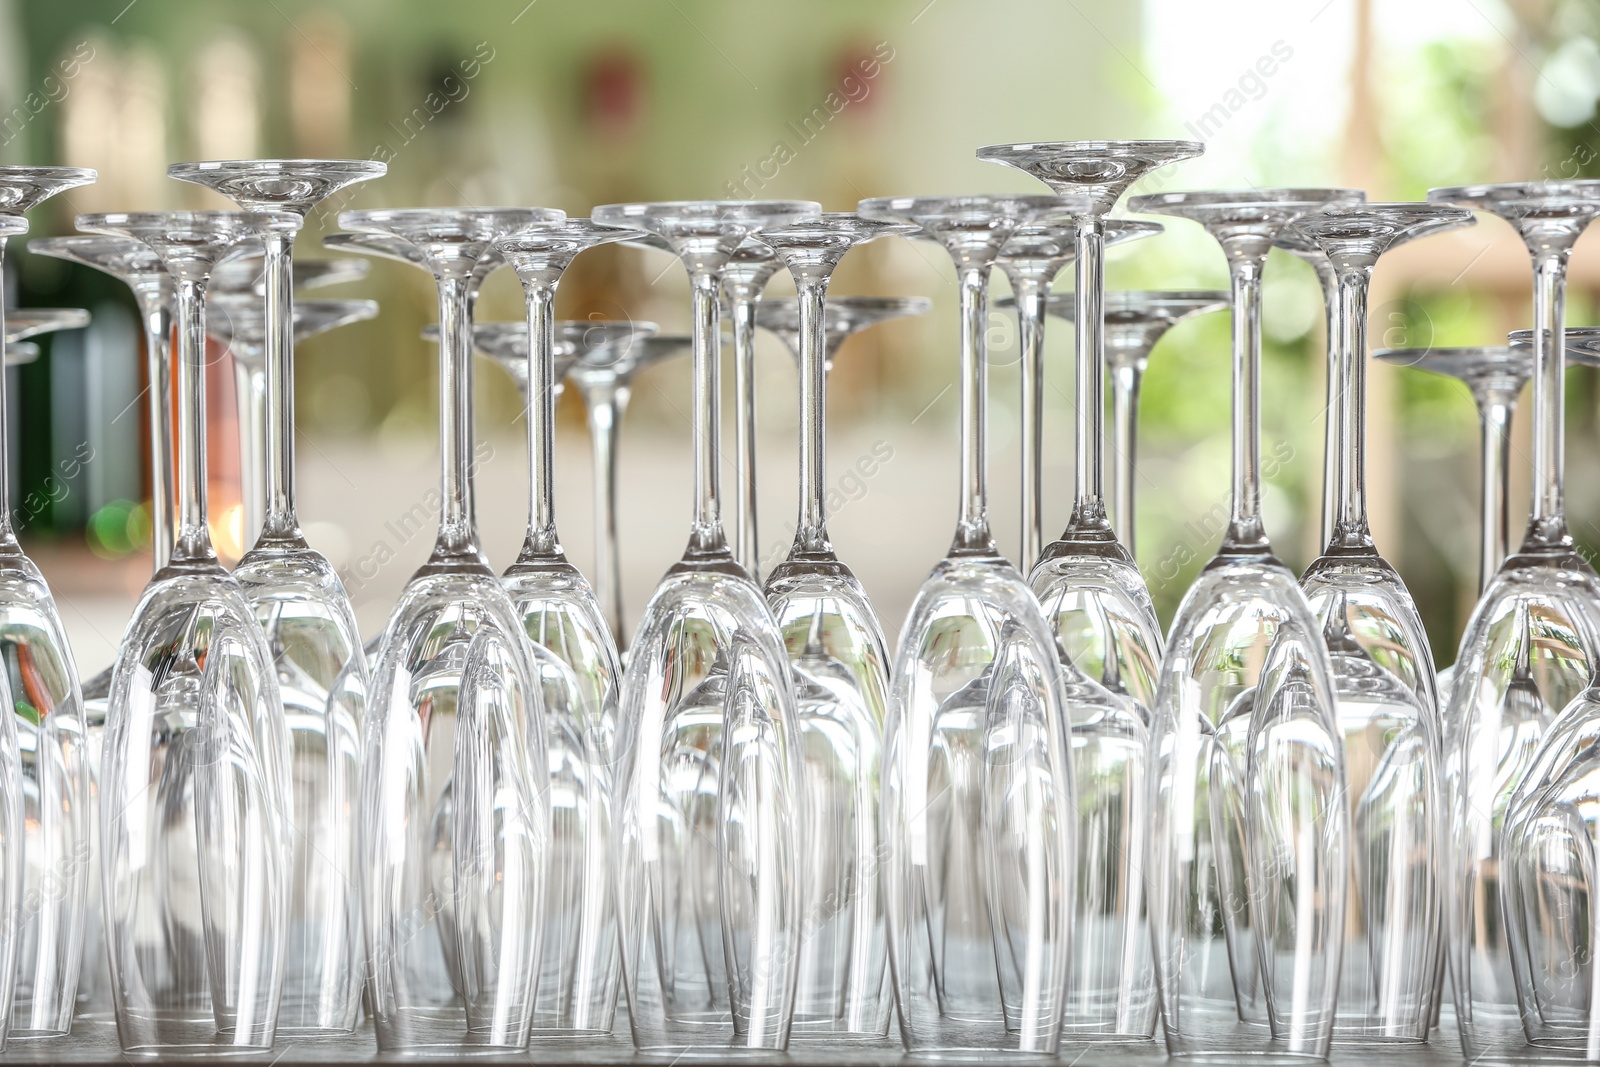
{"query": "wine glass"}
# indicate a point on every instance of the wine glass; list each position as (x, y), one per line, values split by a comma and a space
(195, 801)
(1383, 673)
(43, 803)
(840, 659)
(454, 817)
(1249, 847)
(1494, 375)
(1030, 261)
(1091, 589)
(1529, 648)
(132, 263)
(603, 375)
(710, 815)
(580, 670)
(1135, 320)
(238, 321)
(302, 605)
(245, 272)
(846, 316)
(743, 280)
(51, 747)
(978, 849)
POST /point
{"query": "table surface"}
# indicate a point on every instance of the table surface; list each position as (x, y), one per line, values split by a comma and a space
(96, 1043)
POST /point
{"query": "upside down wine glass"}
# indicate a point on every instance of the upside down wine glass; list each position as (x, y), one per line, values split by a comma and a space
(1494, 375)
(195, 797)
(454, 799)
(603, 376)
(246, 288)
(1101, 613)
(1030, 261)
(238, 321)
(841, 663)
(1549, 836)
(710, 814)
(977, 780)
(1530, 647)
(1383, 674)
(1249, 849)
(132, 263)
(581, 672)
(306, 615)
(46, 826)
(1135, 321)
(743, 280)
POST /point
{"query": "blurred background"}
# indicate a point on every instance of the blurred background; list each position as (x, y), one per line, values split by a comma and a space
(569, 105)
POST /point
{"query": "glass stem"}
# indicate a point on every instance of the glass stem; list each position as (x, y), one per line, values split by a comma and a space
(811, 533)
(249, 389)
(1125, 381)
(1329, 282)
(605, 406)
(972, 530)
(193, 542)
(156, 313)
(742, 304)
(1089, 323)
(1547, 524)
(277, 430)
(1350, 530)
(8, 536)
(457, 529)
(1029, 293)
(541, 539)
(705, 534)
(1245, 531)
(1494, 416)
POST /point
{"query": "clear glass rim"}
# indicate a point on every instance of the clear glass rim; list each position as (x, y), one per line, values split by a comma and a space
(625, 212)
(23, 323)
(566, 233)
(246, 317)
(382, 245)
(218, 223)
(1486, 193)
(1216, 201)
(20, 354)
(463, 222)
(353, 169)
(975, 206)
(99, 251)
(1164, 149)
(1389, 222)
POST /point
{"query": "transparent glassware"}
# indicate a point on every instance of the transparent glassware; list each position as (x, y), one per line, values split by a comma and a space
(710, 817)
(603, 375)
(1383, 673)
(1250, 833)
(22, 323)
(1135, 320)
(978, 854)
(196, 798)
(846, 316)
(239, 282)
(581, 672)
(45, 825)
(1098, 605)
(455, 822)
(136, 266)
(1089, 585)
(1529, 649)
(743, 280)
(245, 271)
(301, 604)
(239, 321)
(1030, 261)
(841, 663)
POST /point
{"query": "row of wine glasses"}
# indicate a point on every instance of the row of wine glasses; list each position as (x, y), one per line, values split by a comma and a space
(1039, 820)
